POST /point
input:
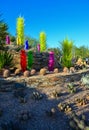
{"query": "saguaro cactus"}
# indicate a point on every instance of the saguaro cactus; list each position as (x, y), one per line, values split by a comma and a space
(23, 61)
(20, 30)
(42, 41)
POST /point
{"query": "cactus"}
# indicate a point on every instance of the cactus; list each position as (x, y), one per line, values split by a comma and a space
(42, 41)
(37, 96)
(26, 73)
(71, 88)
(20, 31)
(77, 123)
(42, 71)
(23, 61)
(85, 80)
(65, 107)
(6, 73)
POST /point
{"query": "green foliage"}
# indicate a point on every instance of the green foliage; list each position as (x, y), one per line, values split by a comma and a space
(5, 59)
(66, 48)
(43, 45)
(12, 38)
(3, 33)
(1, 60)
(80, 52)
(32, 41)
(71, 88)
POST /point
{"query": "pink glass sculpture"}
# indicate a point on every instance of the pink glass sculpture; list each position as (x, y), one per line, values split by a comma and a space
(23, 61)
(38, 47)
(7, 39)
(51, 61)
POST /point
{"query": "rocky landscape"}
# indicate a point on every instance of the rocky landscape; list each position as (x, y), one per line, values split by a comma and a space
(43, 102)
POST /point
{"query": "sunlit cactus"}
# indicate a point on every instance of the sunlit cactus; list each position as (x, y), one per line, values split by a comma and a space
(42, 41)
(20, 31)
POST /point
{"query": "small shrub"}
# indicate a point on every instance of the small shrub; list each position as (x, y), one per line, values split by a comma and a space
(85, 80)
(71, 88)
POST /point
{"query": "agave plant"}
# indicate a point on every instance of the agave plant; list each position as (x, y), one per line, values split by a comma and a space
(5, 59)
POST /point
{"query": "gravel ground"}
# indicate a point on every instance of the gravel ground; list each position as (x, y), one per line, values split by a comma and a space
(39, 119)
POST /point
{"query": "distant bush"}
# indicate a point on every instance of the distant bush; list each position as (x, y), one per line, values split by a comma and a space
(13, 39)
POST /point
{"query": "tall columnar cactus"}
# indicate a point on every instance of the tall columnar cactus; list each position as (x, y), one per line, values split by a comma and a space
(23, 61)
(30, 59)
(20, 31)
(42, 41)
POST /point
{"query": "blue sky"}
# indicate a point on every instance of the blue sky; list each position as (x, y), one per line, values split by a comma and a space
(57, 18)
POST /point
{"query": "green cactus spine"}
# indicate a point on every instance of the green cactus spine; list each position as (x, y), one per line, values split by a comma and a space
(20, 31)
(42, 41)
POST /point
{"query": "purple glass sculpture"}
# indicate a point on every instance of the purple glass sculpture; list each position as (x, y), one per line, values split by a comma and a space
(26, 45)
(38, 47)
(7, 39)
(51, 61)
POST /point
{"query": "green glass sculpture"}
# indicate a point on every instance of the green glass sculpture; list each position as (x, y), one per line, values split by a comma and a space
(30, 60)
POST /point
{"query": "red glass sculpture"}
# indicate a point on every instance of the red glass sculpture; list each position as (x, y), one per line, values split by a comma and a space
(23, 61)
